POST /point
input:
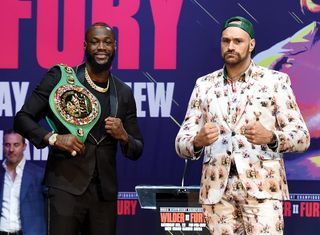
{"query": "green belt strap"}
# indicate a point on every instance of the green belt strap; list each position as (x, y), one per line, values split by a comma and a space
(73, 104)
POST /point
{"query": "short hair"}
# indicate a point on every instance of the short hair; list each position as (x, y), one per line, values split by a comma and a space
(102, 24)
(11, 131)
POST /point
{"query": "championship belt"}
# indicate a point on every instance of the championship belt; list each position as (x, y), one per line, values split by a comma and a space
(73, 104)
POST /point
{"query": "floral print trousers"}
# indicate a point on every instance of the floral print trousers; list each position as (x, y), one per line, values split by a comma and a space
(238, 213)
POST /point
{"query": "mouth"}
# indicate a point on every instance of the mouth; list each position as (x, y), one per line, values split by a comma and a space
(10, 156)
(230, 55)
(102, 56)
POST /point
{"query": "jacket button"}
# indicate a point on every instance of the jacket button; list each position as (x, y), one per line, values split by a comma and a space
(233, 133)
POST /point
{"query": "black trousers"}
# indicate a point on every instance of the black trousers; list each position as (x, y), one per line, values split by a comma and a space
(87, 214)
(11, 233)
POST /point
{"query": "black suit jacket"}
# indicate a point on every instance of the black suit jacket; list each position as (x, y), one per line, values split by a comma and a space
(73, 174)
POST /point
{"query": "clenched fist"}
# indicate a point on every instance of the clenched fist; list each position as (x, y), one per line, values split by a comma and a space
(207, 135)
(115, 128)
(256, 133)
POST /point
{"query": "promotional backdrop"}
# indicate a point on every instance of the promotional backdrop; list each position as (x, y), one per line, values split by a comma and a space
(163, 47)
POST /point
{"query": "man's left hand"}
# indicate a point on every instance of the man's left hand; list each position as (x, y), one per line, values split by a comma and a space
(256, 133)
(115, 128)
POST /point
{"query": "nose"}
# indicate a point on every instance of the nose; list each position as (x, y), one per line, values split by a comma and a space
(11, 148)
(101, 45)
(231, 46)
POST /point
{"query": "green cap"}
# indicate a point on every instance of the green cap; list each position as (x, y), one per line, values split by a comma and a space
(242, 23)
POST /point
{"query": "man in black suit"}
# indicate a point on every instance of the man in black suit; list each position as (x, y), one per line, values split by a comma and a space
(90, 111)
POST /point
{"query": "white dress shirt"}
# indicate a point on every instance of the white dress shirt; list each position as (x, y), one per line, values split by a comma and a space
(10, 214)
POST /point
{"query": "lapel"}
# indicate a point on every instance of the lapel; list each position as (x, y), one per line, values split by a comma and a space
(113, 97)
(254, 74)
(246, 95)
(79, 70)
(221, 95)
(26, 181)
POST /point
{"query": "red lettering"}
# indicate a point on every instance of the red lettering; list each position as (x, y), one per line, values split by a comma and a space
(287, 209)
(133, 204)
(316, 209)
(168, 217)
(121, 17)
(61, 28)
(120, 207)
(163, 217)
(10, 13)
(166, 16)
(309, 209)
(196, 218)
(127, 207)
(48, 51)
(302, 209)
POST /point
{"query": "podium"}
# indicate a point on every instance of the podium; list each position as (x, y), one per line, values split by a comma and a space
(177, 208)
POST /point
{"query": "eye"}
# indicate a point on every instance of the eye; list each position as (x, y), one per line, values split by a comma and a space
(109, 42)
(237, 41)
(93, 42)
(225, 40)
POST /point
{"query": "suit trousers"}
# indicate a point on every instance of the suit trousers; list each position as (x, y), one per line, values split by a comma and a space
(238, 213)
(85, 214)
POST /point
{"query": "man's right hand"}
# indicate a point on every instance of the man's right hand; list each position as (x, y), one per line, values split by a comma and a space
(69, 143)
(207, 135)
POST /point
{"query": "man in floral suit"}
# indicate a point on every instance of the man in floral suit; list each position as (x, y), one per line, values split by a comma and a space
(243, 117)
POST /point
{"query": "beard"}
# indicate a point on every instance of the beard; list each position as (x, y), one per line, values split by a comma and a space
(236, 59)
(96, 67)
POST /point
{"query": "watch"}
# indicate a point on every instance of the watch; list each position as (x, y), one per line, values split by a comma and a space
(52, 139)
(274, 142)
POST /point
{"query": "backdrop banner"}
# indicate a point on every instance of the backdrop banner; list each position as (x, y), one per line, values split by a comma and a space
(163, 47)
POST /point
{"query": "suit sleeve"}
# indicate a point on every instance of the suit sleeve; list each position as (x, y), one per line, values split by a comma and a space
(292, 132)
(193, 121)
(133, 149)
(36, 107)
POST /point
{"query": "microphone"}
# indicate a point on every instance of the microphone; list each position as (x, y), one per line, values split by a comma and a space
(184, 172)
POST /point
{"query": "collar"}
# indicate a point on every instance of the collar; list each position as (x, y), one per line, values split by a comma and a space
(244, 76)
(19, 167)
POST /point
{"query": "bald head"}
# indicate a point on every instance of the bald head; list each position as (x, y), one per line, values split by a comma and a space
(98, 24)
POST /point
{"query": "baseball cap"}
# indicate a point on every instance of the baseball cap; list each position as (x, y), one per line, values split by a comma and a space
(241, 23)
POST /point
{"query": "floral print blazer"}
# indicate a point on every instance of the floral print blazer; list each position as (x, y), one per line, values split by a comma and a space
(267, 97)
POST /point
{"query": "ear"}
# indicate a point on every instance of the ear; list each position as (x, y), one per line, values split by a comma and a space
(85, 45)
(24, 147)
(252, 44)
